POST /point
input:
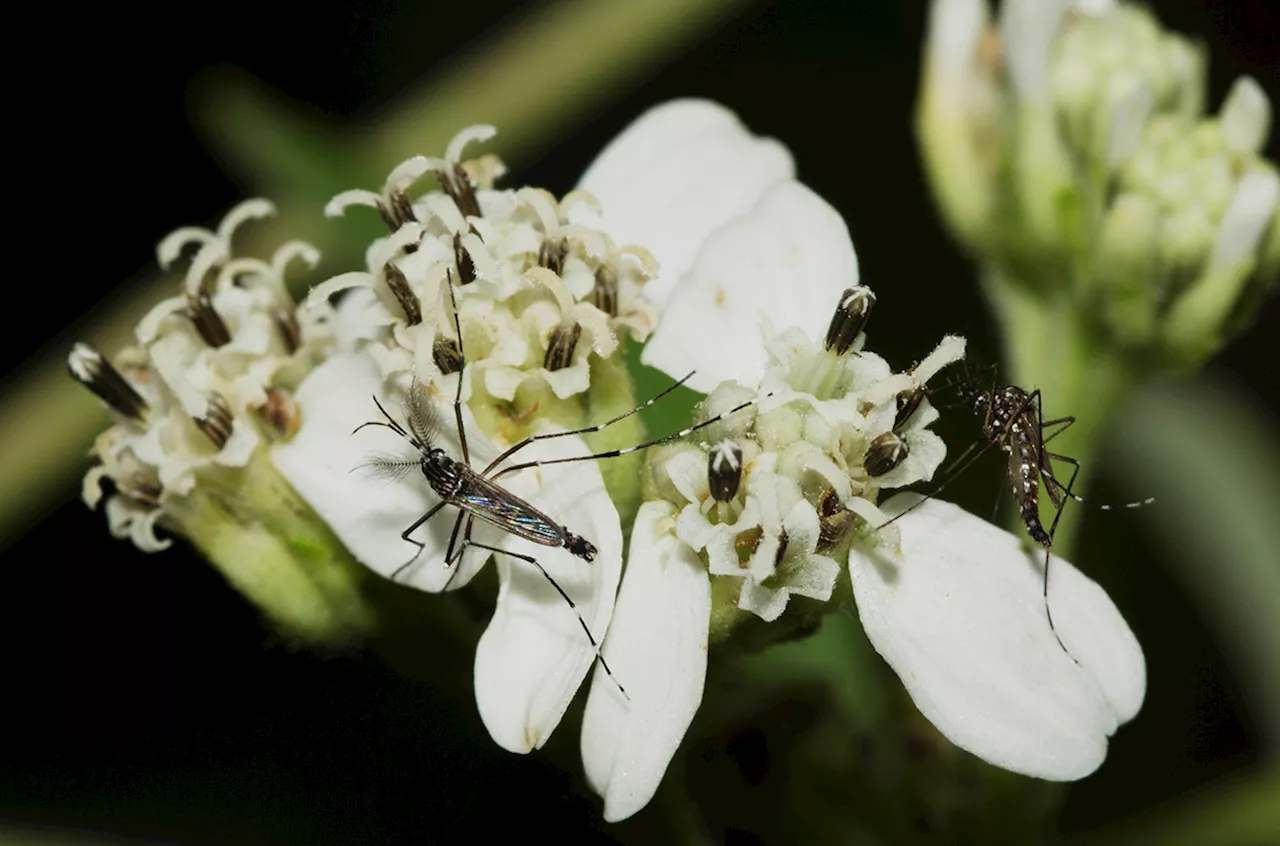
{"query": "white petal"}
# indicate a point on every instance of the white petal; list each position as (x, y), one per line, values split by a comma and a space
(1246, 219)
(960, 618)
(1027, 32)
(673, 176)
(657, 645)
(955, 34)
(1245, 116)
(354, 197)
(324, 464)
(789, 259)
(534, 655)
(949, 350)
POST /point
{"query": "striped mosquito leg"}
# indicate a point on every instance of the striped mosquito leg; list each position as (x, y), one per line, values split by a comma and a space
(572, 605)
(589, 429)
(419, 544)
(1101, 506)
(462, 369)
(617, 452)
(1048, 553)
(1064, 423)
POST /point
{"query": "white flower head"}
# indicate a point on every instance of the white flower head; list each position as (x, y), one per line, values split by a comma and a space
(520, 295)
(806, 510)
(210, 377)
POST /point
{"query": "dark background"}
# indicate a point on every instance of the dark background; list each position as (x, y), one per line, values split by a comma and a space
(144, 697)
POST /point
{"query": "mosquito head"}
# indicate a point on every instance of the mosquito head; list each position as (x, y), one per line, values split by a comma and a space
(580, 546)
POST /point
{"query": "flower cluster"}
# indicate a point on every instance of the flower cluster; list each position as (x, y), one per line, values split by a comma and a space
(770, 514)
(1070, 149)
(243, 416)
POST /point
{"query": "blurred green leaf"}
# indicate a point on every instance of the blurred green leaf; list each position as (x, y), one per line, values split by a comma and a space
(1212, 460)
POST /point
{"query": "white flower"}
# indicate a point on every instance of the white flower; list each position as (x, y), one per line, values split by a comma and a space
(543, 288)
(213, 369)
(952, 603)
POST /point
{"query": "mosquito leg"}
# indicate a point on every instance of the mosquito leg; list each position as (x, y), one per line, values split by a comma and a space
(572, 605)
(516, 448)
(617, 452)
(951, 478)
(1064, 423)
(421, 546)
(462, 369)
(1048, 553)
(450, 557)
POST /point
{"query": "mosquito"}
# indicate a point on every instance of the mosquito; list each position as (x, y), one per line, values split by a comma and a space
(1013, 420)
(477, 493)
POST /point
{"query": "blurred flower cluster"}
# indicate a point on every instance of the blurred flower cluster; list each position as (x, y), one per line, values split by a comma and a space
(1069, 148)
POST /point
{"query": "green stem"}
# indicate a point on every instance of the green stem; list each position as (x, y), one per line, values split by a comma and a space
(1052, 347)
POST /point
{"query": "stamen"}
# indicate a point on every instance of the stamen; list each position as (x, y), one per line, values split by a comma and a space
(458, 186)
(281, 412)
(396, 210)
(446, 355)
(885, 453)
(724, 470)
(745, 545)
(834, 520)
(399, 286)
(604, 295)
(564, 340)
(140, 487)
(217, 422)
(907, 406)
(850, 318)
(551, 254)
(462, 258)
(207, 320)
(290, 331)
(90, 369)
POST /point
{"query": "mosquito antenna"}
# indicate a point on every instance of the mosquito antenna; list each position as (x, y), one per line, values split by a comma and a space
(589, 429)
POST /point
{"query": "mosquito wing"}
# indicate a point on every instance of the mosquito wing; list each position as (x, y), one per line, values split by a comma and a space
(495, 504)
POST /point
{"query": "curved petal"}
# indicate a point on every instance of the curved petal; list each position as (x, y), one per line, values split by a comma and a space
(328, 464)
(673, 176)
(788, 259)
(534, 654)
(960, 617)
(658, 647)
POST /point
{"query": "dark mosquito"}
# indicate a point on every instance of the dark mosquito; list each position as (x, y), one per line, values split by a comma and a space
(1013, 420)
(476, 494)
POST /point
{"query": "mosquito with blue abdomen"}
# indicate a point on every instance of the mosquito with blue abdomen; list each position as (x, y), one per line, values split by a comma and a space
(477, 493)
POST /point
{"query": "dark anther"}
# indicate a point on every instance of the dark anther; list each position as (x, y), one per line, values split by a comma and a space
(396, 210)
(290, 332)
(834, 520)
(141, 487)
(207, 321)
(783, 541)
(604, 295)
(459, 187)
(216, 423)
(399, 286)
(446, 355)
(851, 316)
(466, 267)
(551, 255)
(564, 340)
(885, 453)
(907, 405)
(281, 412)
(724, 470)
(90, 369)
